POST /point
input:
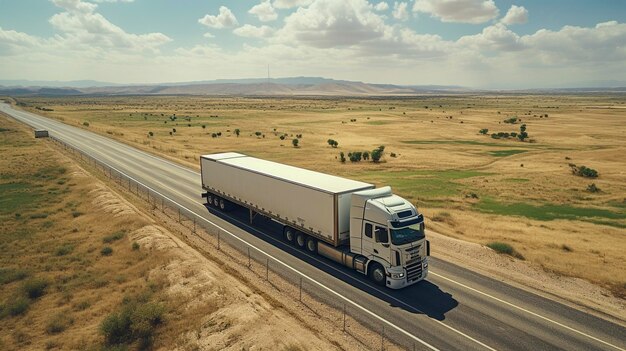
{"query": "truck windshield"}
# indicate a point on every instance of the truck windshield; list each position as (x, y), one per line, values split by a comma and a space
(407, 235)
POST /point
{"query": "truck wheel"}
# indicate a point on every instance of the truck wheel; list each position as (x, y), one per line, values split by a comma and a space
(223, 205)
(216, 201)
(311, 245)
(289, 234)
(209, 199)
(300, 240)
(377, 274)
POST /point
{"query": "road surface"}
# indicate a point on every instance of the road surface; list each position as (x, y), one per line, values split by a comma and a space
(455, 309)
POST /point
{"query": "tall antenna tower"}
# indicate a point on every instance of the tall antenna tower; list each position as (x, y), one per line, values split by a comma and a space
(268, 78)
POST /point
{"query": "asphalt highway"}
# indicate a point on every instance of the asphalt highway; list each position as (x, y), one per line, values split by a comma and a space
(454, 309)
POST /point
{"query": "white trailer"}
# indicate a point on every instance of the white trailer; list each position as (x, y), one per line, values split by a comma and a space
(324, 214)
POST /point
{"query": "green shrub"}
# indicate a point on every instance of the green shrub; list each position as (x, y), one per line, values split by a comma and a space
(76, 214)
(15, 307)
(583, 171)
(133, 322)
(295, 142)
(106, 251)
(484, 131)
(592, 188)
(35, 287)
(58, 323)
(377, 153)
(342, 157)
(135, 246)
(8, 275)
(113, 237)
(504, 248)
(86, 124)
(64, 249)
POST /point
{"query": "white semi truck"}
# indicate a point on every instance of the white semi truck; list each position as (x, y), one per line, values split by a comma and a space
(370, 230)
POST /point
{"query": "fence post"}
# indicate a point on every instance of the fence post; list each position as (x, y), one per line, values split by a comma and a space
(267, 269)
(249, 262)
(300, 289)
(344, 316)
(162, 205)
(179, 218)
(194, 225)
(382, 339)
(218, 239)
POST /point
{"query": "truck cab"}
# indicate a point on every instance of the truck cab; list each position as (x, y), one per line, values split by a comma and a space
(388, 232)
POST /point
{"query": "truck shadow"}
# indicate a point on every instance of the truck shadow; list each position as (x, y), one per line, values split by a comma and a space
(422, 298)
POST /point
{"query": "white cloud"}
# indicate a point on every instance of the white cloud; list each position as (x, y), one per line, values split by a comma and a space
(493, 38)
(224, 19)
(264, 11)
(81, 27)
(113, 0)
(515, 15)
(75, 5)
(208, 35)
(287, 4)
(400, 11)
(381, 6)
(463, 11)
(251, 31)
(330, 23)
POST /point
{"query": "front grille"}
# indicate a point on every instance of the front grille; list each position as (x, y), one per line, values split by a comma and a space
(414, 271)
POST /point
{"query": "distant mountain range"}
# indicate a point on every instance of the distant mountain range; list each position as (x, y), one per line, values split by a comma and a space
(290, 86)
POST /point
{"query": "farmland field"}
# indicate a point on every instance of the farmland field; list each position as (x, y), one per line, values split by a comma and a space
(479, 187)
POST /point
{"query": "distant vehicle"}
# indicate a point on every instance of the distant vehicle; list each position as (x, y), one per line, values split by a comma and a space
(370, 230)
(41, 133)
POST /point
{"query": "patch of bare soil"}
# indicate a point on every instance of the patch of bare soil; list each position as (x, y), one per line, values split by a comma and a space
(524, 275)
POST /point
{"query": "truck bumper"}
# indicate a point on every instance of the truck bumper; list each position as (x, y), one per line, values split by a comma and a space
(402, 282)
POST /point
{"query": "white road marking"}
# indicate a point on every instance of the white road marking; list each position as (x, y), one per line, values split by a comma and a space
(528, 311)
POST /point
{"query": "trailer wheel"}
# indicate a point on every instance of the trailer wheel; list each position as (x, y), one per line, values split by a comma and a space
(311, 245)
(223, 205)
(301, 240)
(209, 199)
(216, 201)
(377, 273)
(289, 234)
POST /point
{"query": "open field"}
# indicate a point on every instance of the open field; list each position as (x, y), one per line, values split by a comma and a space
(83, 268)
(470, 186)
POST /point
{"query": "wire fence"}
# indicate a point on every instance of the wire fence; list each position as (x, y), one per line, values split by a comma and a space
(368, 329)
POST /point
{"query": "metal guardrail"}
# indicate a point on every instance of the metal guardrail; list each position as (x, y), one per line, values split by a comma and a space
(368, 329)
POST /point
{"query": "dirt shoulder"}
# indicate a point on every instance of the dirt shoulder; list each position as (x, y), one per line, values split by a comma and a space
(575, 292)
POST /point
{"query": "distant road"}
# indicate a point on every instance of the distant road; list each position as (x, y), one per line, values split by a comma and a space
(455, 309)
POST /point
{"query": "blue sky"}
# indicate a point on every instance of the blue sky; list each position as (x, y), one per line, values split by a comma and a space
(476, 43)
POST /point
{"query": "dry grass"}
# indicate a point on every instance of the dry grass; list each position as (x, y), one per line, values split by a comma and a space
(520, 193)
(149, 288)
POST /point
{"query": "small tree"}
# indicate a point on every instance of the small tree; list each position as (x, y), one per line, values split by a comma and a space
(484, 131)
(258, 134)
(342, 157)
(366, 155)
(332, 143)
(237, 131)
(377, 153)
(295, 142)
(150, 134)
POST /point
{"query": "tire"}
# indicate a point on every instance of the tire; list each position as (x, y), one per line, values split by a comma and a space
(301, 240)
(311, 245)
(377, 274)
(289, 234)
(223, 205)
(216, 201)
(209, 199)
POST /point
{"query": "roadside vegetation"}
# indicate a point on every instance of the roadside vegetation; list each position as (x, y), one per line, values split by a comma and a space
(482, 159)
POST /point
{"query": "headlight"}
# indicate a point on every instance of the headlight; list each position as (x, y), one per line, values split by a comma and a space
(425, 264)
(397, 275)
